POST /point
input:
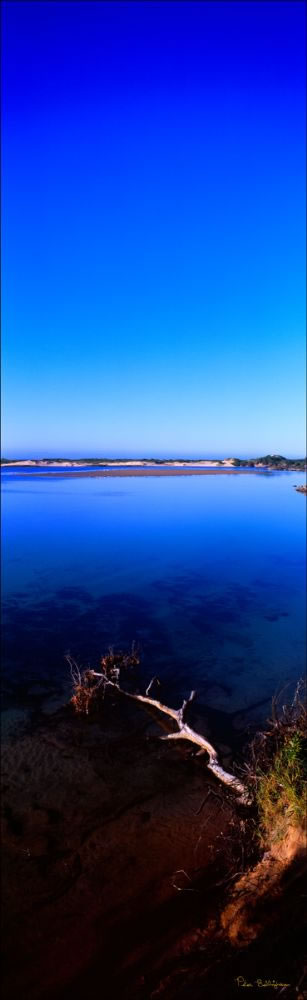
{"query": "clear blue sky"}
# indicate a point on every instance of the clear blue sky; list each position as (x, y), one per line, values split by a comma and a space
(153, 230)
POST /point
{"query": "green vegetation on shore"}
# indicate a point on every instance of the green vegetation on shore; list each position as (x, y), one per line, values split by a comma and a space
(281, 792)
(278, 772)
(277, 462)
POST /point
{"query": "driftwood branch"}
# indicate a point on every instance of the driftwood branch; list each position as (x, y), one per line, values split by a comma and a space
(184, 732)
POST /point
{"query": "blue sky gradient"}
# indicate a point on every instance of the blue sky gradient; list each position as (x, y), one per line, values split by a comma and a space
(153, 228)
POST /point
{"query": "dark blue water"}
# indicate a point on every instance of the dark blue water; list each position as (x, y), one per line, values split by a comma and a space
(206, 573)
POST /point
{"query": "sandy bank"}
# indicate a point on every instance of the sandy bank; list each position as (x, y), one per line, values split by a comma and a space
(45, 463)
(138, 463)
(159, 471)
(100, 824)
(117, 869)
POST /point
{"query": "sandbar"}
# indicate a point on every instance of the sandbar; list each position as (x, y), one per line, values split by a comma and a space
(135, 472)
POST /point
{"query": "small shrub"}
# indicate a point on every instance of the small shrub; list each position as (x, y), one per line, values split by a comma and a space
(90, 687)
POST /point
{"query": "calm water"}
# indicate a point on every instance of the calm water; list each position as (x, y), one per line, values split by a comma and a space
(207, 574)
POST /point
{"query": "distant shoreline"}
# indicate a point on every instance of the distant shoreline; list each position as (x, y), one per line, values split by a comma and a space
(266, 462)
(110, 463)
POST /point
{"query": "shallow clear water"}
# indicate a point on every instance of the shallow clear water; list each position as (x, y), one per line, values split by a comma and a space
(206, 573)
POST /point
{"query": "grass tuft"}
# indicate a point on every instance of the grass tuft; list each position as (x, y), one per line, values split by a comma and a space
(277, 771)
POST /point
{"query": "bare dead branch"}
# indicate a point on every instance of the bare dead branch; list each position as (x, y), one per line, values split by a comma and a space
(107, 679)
